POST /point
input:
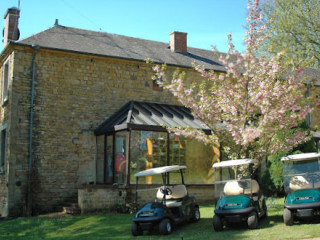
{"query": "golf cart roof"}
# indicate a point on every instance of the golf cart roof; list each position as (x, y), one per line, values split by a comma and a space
(301, 157)
(159, 170)
(236, 162)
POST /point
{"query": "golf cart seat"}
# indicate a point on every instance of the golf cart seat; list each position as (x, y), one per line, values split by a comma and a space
(178, 192)
(299, 182)
(235, 188)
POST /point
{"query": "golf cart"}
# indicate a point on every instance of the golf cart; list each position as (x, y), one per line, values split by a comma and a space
(238, 196)
(301, 183)
(172, 204)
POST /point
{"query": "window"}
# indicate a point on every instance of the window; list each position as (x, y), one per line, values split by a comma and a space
(5, 82)
(151, 149)
(147, 150)
(109, 157)
(120, 161)
(100, 160)
(156, 84)
(197, 156)
(177, 154)
(3, 151)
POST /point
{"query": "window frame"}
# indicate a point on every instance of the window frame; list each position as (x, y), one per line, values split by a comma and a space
(127, 181)
(5, 81)
(156, 84)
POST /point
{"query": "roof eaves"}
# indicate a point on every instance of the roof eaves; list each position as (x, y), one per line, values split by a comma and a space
(104, 55)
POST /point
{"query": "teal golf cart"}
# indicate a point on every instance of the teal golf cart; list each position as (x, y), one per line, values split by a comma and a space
(238, 196)
(172, 204)
(301, 183)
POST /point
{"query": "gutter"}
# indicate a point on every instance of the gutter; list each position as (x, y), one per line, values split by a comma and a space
(29, 194)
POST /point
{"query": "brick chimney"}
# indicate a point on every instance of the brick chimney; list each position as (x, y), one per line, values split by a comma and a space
(11, 31)
(178, 42)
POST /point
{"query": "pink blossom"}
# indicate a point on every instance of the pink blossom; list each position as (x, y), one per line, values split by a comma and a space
(247, 110)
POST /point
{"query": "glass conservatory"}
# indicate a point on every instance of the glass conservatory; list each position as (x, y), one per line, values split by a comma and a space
(135, 138)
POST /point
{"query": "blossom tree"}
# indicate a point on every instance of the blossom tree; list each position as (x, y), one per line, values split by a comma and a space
(253, 109)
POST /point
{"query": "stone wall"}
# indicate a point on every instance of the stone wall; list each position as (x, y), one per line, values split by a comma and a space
(101, 198)
(106, 198)
(14, 118)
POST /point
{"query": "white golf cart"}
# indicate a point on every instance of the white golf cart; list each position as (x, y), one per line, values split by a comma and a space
(301, 183)
(172, 204)
(238, 196)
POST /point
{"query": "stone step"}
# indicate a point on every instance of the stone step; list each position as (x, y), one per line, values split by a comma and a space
(72, 210)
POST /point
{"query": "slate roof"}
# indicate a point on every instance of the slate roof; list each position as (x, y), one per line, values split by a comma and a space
(113, 45)
(119, 46)
(150, 116)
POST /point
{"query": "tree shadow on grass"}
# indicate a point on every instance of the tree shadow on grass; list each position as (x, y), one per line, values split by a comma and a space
(271, 221)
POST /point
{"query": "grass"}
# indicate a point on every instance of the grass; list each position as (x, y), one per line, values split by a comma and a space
(117, 226)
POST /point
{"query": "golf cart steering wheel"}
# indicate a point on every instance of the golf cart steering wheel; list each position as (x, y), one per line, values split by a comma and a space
(314, 177)
(243, 184)
(165, 190)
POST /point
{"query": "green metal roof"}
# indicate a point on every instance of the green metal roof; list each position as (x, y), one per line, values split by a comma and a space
(150, 116)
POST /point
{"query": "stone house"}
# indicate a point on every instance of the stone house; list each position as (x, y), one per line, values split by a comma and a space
(80, 114)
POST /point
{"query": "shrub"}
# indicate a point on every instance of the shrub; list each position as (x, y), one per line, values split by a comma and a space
(271, 179)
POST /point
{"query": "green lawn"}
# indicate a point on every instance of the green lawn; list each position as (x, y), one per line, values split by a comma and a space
(117, 226)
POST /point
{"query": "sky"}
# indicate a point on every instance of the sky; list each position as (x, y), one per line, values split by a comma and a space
(207, 22)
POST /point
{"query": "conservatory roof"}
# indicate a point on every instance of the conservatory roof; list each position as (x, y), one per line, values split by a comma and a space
(150, 117)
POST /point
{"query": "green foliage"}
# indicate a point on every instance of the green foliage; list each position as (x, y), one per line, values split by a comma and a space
(308, 146)
(294, 28)
(271, 178)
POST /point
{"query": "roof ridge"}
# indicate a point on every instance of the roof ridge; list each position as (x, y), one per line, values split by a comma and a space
(108, 33)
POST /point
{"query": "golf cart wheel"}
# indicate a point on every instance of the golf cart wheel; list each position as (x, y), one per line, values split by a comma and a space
(195, 215)
(165, 226)
(253, 220)
(135, 229)
(287, 217)
(217, 223)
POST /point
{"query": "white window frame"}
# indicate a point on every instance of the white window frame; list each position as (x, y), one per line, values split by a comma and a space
(5, 81)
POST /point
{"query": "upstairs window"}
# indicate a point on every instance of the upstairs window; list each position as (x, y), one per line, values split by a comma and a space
(5, 82)
(156, 84)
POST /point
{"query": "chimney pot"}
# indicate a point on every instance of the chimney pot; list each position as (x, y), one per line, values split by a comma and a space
(11, 31)
(178, 42)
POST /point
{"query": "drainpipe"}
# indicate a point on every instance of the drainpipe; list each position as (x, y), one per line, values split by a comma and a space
(29, 194)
